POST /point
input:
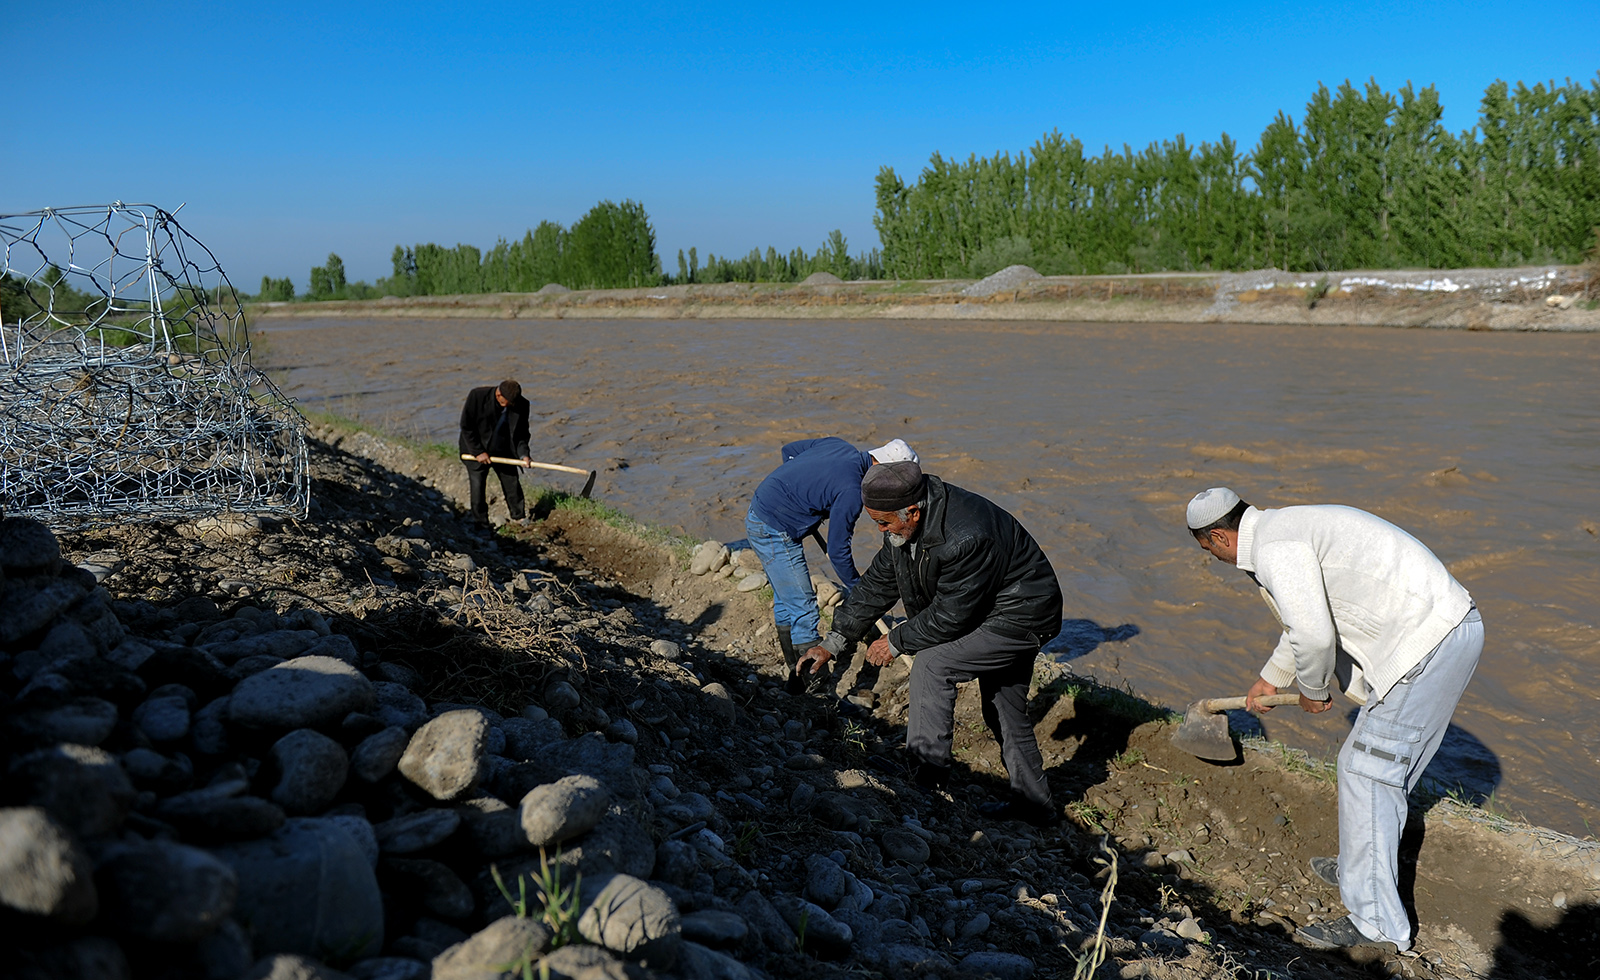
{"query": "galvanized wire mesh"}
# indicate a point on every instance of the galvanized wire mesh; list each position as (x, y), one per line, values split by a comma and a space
(126, 388)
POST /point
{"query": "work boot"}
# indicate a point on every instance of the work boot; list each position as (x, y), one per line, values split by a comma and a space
(793, 683)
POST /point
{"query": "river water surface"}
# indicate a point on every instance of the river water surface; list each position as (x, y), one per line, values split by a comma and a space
(1484, 446)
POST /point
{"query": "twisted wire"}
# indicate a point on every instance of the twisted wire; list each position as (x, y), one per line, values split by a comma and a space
(126, 387)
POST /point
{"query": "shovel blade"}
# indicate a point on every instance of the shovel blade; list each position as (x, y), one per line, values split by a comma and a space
(1204, 735)
(588, 485)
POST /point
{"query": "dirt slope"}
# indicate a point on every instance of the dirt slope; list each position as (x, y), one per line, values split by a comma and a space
(1225, 846)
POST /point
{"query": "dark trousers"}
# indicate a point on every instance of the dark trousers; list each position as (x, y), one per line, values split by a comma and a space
(510, 482)
(1003, 668)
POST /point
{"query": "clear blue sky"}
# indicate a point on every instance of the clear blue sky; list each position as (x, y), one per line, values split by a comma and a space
(296, 129)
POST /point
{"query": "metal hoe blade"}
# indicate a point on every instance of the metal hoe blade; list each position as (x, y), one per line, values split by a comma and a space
(1205, 735)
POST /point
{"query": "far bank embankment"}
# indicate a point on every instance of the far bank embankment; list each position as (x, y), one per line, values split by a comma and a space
(1559, 298)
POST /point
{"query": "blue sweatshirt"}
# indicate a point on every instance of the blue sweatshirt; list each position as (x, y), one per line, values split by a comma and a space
(820, 479)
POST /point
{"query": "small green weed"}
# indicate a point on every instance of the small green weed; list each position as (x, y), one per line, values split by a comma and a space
(559, 906)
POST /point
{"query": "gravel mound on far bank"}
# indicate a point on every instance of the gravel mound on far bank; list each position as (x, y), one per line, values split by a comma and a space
(1011, 277)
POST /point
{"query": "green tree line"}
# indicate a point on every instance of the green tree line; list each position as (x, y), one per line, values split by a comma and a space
(1367, 179)
(771, 266)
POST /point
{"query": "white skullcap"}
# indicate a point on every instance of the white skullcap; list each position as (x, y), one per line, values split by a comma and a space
(895, 451)
(1210, 506)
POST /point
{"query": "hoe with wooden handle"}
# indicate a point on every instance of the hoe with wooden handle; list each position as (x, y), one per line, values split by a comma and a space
(1204, 732)
(588, 485)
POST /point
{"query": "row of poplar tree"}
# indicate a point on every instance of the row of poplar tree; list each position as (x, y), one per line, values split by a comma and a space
(1366, 179)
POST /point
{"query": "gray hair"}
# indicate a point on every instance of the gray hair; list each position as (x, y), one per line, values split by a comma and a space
(905, 512)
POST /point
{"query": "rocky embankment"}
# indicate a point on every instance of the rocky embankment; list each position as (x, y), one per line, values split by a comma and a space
(1532, 298)
(374, 744)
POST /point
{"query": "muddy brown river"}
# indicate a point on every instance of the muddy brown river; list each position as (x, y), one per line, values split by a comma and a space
(1485, 446)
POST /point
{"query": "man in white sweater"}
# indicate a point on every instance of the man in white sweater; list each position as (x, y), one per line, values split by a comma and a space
(1366, 606)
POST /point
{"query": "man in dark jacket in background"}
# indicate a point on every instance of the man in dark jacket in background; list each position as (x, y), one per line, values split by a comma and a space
(820, 480)
(494, 422)
(980, 599)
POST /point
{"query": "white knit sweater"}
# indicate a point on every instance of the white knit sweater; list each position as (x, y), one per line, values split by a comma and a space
(1340, 577)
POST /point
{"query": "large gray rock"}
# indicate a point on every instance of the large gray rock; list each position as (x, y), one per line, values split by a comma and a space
(826, 882)
(208, 817)
(163, 719)
(589, 754)
(43, 869)
(398, 707)
(312, 769)
(564, 809)
(1000, 966)
(378, 754)
(714, 927)
(287, 966)
(416, 831)
(904, 846)
(580, 961)
(208, 731)
(81, 786)
(27, 548)
(488, 953)
(307, 692)
(696, 962)
(283, 644)
(618, 843)
(165, 892)
(391, 968)
(29, 609)
(446, 757)
(527, 737)
(824, 935)
(308, 889)
(360, 830)
(630, 917)
(767, 922)
(81, 721)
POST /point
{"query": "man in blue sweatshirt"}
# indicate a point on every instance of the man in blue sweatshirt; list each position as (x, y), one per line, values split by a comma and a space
(820, 480)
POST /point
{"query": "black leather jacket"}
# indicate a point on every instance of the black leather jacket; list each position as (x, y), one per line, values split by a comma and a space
(479, 417)
(975, 566)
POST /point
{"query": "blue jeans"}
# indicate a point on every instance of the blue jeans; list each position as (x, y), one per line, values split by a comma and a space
(794, 601)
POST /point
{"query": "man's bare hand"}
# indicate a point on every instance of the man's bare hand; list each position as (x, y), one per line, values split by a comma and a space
(482, 457)
(526, 460)
(1259, 689)
(817, 657)
(1315, 707)
(879, 654)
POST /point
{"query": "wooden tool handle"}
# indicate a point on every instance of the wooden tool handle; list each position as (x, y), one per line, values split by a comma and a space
(542, 466)
(1229, 704)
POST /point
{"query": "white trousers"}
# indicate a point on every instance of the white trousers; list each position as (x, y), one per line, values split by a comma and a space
(1391, 744)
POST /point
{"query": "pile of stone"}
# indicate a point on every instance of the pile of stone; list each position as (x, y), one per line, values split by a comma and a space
(267, 790)
(1007, 279)
(742, 568)
(256, 789)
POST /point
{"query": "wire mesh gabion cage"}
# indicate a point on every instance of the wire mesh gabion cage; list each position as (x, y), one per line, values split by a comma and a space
(126, 388)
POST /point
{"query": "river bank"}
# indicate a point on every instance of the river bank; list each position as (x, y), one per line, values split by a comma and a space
(1469, 299)
(1095, 435)
(667, 686)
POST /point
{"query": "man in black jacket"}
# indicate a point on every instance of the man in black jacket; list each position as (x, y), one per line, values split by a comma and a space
(494, 422)
(980, 599)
